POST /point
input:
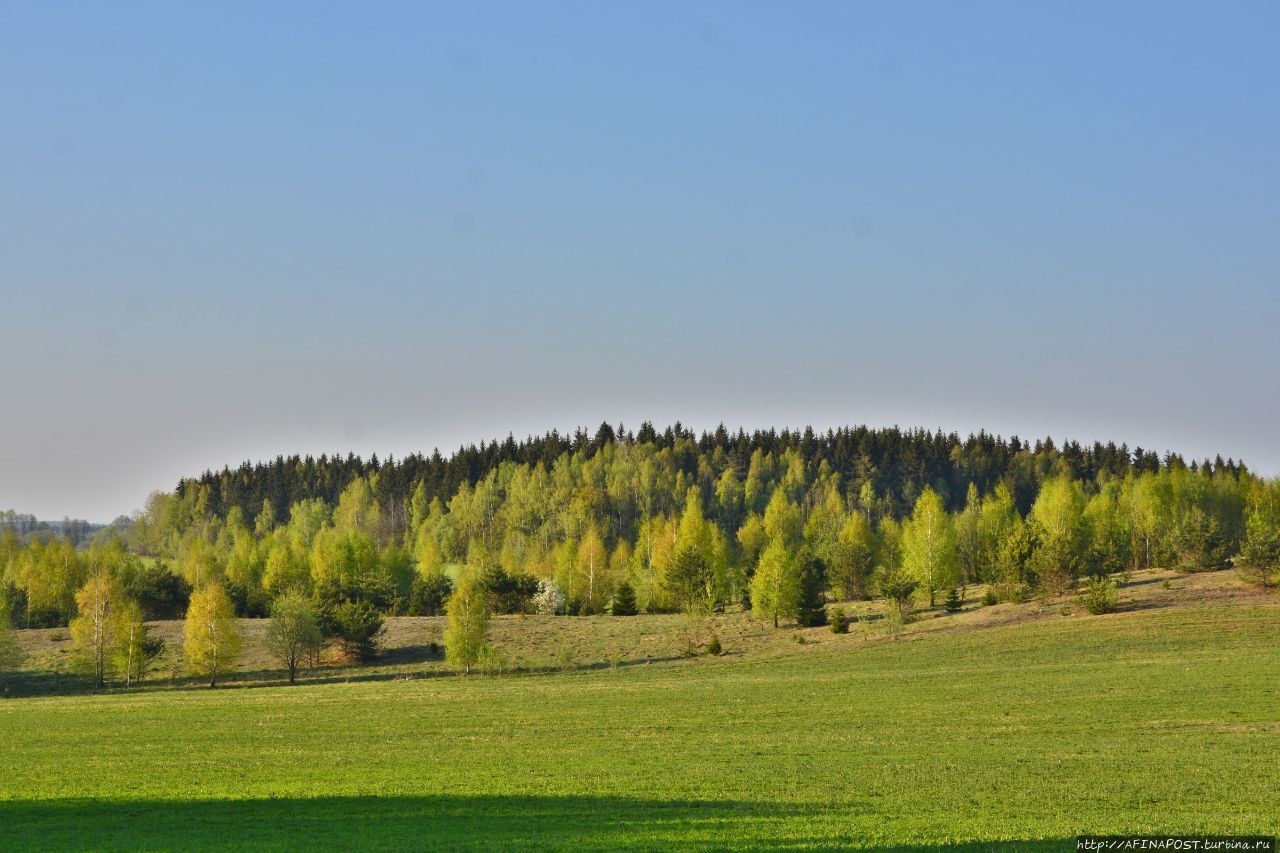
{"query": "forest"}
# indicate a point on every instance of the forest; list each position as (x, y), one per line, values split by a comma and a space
(619, 522)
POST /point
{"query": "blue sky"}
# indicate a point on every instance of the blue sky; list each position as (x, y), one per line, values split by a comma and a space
(234, 230)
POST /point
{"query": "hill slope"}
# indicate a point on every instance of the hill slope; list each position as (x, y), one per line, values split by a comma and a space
(1157, 719)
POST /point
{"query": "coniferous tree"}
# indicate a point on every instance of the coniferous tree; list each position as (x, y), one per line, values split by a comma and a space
(811, 608)
(624, 600)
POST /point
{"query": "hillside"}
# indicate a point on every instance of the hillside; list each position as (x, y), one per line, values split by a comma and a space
(528, 643)
(1004, 723)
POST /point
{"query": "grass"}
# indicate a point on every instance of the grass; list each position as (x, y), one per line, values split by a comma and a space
(980, 729)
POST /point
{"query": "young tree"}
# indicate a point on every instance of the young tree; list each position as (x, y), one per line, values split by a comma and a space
(689, 580)
(94, 630)
(929, 546)
(10, 651)
(811, 608)
(853, 557)
(133, 649)
(969, 537)
(1057, 518)
(293, 635)
(468, 625)
(624, 600)
(1260, 550)
(592, 561)
(775, 587)
(211, 641)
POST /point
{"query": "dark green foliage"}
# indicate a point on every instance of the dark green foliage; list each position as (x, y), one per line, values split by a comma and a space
(989, 597)
(1198, 541)
(953, 604)
(688, 579)
(713, 646)
(812, 611)
(427, 596)
(946, 461)
(159, 592)
(352, 617)
(839, 622)
(152, 648)
(899, 588)
(356, 627)
(248, 603)
(624, 601)
(13, 604)
(507, 593)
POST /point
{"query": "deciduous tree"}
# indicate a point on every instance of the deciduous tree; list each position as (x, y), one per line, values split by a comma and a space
(211, 640)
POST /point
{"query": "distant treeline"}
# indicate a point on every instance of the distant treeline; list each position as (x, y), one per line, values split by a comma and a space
(897, 463)
(27, 527)
(659, 521)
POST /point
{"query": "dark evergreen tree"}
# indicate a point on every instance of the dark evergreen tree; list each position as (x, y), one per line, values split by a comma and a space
(624, 601)
(813, 598)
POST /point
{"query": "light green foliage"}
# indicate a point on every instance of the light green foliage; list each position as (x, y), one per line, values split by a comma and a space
(969, 550)
(94, 630)
(783, 523)
(467, 628)
(929, 546)
(852, 559)
(775, 587)
(211, 640)
(1057, 518)
(1144, 723)
(1099, 595)
(293, 635)
(130, 652)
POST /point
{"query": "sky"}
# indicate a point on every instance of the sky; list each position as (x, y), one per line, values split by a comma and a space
(235, 230)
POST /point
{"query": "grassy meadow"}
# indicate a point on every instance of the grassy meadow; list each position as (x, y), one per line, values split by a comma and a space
(1015, 726)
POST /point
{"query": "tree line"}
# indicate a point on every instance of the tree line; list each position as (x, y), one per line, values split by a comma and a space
(671, 522)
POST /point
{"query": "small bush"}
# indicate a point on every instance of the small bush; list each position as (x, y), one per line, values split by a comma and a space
(989, 598)
(713, 646)
(839, 622)
(1164, 584)
(1100, 596)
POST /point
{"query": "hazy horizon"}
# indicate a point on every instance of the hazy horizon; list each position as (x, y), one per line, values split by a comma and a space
(235, 232)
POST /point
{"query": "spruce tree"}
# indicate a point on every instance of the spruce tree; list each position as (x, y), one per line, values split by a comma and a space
(953, 602)
(624, 601)
(813, 600)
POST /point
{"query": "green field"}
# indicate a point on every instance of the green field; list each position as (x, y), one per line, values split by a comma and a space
(1152, 720)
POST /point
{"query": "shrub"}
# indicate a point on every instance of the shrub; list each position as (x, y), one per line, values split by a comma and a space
(713, 646)
(1014, 592)
(549, 600)
(839, 622)
(1099, 596)
(989, 597)
(899, 588)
